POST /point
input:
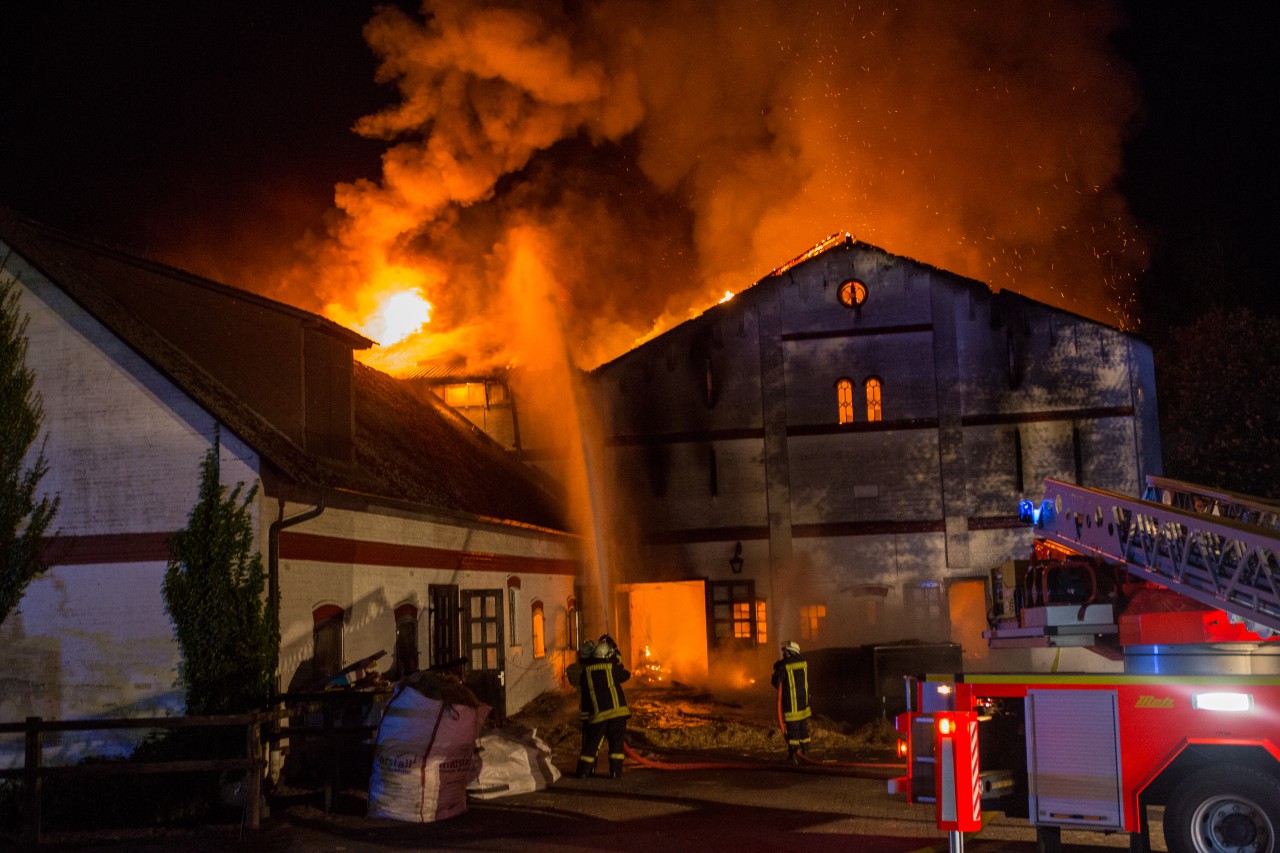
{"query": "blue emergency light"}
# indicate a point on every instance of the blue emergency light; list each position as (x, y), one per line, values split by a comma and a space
(1029, 513)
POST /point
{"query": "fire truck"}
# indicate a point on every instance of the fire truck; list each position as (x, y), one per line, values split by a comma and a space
(1181, 590)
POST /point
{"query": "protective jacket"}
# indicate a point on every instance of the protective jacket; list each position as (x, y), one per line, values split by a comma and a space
(601, 689)
(792, 672)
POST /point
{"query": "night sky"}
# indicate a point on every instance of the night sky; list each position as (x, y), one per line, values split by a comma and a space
(188, 130)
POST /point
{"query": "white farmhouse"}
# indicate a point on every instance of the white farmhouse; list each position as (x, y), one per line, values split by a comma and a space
(386, 523)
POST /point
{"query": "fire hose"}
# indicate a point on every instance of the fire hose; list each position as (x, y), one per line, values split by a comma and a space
(690, 765)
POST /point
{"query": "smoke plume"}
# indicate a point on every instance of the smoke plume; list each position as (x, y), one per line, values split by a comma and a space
(667, 151)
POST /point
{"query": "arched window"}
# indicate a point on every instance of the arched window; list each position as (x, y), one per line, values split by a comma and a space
(874, 412)
(326, 641)
(844, 401)
(573, 623)
(539, 625)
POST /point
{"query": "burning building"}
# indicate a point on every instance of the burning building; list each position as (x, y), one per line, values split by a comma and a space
(835, 454)
(385, 523)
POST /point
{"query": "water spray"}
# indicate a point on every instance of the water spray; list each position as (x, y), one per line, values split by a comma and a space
(593, 497)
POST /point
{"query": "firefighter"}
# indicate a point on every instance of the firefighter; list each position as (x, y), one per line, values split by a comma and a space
(604, 708)
(791, 678)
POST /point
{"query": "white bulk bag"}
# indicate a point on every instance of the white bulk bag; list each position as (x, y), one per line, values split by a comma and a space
(422, 758)
(511, 762)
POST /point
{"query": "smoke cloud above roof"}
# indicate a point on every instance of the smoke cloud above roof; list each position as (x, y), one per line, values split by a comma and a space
(667, 152)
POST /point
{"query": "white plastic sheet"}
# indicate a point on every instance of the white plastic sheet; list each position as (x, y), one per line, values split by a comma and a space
(422, 758)
(511, 761)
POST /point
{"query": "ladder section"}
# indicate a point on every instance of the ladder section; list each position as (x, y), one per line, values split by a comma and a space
(1217, 561)
(1245, 509)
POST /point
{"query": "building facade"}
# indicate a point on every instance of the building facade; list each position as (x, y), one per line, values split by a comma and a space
(385, 523)
(838, 451)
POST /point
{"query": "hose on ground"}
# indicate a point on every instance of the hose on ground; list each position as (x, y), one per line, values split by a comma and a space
(692, 765)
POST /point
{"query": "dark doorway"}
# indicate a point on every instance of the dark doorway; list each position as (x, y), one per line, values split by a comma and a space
(482, 641)
(406, 647)
(443, 604)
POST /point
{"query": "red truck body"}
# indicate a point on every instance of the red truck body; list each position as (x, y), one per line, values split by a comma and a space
(1185, 587)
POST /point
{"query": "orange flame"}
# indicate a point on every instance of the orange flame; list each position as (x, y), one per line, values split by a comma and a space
(495, 102)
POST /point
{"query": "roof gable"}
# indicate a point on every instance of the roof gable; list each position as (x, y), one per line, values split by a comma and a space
(398, 447)
(841, 243)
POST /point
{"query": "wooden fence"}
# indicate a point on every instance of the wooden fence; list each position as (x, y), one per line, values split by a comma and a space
(332, 732)
(34, 771)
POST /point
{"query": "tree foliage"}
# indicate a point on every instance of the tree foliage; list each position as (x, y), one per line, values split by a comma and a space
(1219, 395)
(23, 519)
(213, 590)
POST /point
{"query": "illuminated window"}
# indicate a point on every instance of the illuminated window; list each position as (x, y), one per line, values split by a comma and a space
(844, 401)
(852, 293)
(873, 399)
(732, 611)
(539, 626)
(813, 621)
(465, 395)
(762, 631)
(326, 641)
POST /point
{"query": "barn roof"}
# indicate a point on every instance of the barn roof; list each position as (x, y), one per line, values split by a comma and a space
(405, 449)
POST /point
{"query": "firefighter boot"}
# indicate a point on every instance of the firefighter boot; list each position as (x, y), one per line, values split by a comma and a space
(585, 769)
(615, 768)
(791, 753)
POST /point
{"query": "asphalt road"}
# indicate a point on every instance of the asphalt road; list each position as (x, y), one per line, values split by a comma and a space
(647, 811)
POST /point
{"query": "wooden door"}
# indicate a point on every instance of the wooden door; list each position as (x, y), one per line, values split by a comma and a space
(483, 640)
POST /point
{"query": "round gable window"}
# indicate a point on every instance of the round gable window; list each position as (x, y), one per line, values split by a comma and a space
(852, 293)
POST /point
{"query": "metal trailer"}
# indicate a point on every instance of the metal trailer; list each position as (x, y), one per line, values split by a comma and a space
(1191, 726)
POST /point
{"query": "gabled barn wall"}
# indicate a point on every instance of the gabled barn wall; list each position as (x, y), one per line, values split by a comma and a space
(724, 430)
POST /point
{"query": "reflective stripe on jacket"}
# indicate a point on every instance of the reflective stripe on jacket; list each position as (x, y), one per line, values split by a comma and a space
(602, 697)
(792, 672)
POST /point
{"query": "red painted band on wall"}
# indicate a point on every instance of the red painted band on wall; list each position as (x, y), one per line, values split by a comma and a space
(154, 548)
(332, 549)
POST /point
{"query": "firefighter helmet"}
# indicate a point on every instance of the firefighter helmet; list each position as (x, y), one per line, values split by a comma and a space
(585, 650)
(791, 646)
(603, 649)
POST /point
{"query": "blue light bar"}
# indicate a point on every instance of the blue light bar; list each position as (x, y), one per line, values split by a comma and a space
(1029, 513)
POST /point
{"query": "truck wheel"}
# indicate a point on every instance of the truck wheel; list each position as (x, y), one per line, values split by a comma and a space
(1223, 810)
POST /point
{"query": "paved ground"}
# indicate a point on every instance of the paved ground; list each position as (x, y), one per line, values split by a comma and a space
(770, 807)
(647, 811)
